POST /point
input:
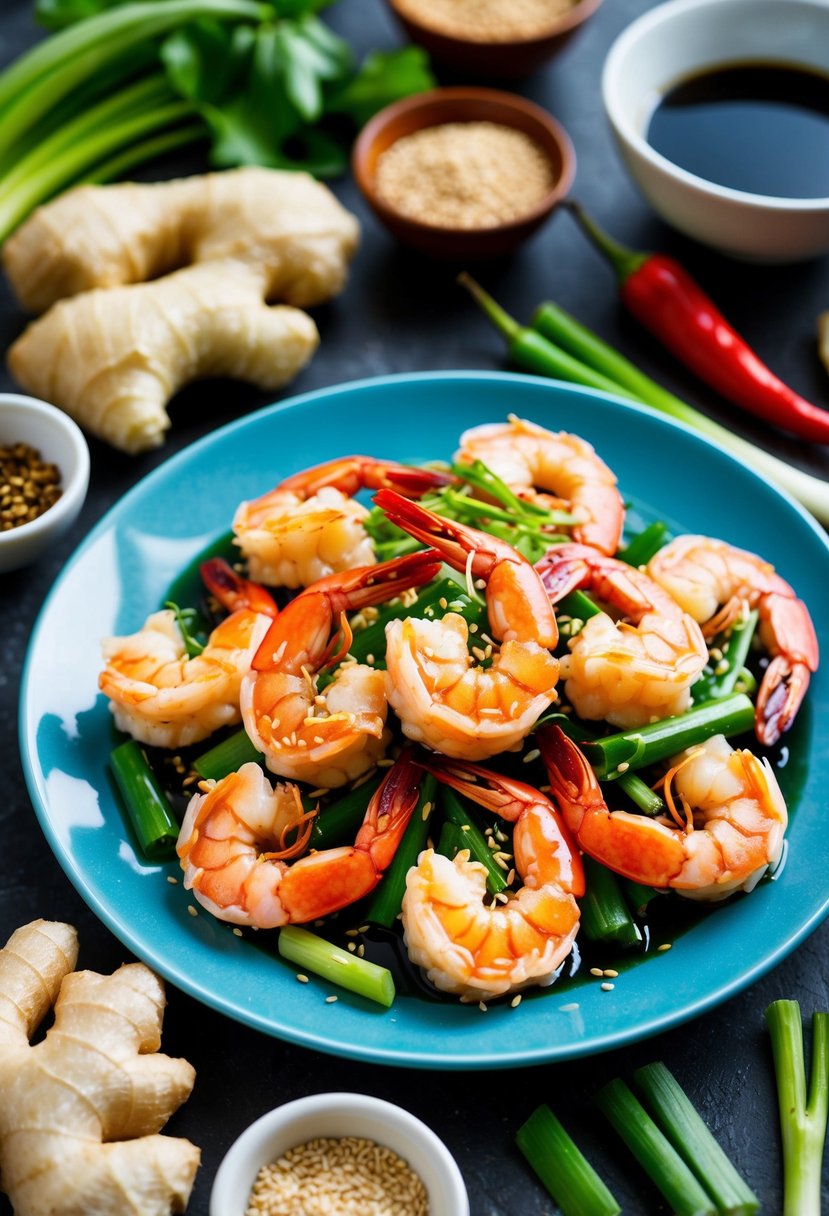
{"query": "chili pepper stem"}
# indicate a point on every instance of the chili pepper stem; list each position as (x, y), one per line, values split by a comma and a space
(623, 260)
(501, 319)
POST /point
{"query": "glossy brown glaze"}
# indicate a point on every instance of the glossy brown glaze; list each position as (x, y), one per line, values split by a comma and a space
(460, 104)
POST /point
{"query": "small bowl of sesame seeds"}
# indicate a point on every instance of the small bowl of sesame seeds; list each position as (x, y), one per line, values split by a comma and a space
(502, 39)
(463, 173)
(340, 1153)
(44, 475)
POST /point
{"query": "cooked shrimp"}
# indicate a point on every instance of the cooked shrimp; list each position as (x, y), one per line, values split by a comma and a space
(238, 840)
(628, 672)
(529, 458)
(310, 525)
(726, 833)
(440, 696)
(706, 575)
(161, 696)
(332, 737)
(481, 951)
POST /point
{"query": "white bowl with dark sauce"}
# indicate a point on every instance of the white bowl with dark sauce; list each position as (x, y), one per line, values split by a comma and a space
(720, 111)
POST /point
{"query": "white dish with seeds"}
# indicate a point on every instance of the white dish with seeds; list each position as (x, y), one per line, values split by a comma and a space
(34, 436)
(393, 1162)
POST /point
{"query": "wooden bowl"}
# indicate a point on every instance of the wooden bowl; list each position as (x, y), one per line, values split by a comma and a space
(498, 60)
(454, 105)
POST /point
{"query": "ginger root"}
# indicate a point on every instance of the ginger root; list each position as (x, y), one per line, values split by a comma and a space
(218, 248)
(81, 1110)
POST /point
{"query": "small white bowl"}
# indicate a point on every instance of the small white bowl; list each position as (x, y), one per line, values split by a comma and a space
(335, 1115)
(60, 441)
(682, 37)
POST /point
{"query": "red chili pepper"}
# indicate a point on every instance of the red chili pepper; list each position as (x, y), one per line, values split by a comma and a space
(667, 301)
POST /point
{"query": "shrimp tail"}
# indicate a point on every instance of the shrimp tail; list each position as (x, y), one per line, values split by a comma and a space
(350, 474)
(782, 690)
(234, 592)
(367, 585)
(454, 541)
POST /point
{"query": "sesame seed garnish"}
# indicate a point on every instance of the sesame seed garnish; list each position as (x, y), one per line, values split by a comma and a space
(571, 1008)
(352, 946)
(664, 946)
(303, 979)
(329, 1000)
(172, 879)
(516, 1001)
(193, 911)
(237, 932)
(607, 987)
(532, 755)
(482, 1005)
(623, 767)
(596, 971)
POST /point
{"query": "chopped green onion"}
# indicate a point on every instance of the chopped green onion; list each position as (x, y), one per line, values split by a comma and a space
(226, 757)
(433, 602)
(340, 821)
(638, 895)
(682, 1124)
(387, 898)
(604, 913)
(660, 1161)
(566, 1173)
(473, 838)
(313, 953)
(733, 647)
(186, 620)
(635, 749)
(578, 606)
(802, 1121)
(645, 545)
(148, 808)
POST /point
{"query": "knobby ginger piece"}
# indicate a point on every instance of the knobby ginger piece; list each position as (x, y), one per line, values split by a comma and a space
(81, 1110)
(114, 358)
(287, 223)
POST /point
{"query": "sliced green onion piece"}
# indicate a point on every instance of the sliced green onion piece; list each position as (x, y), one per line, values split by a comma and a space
(387, 897)
(566, 1173)
(660, 1161)
(473, 839)
(638, 895)
(604, 913)
(645, 544)
(734, 647)
(634, 749)
(147, 806)
(226, 757)
(802, 1121)
(687, 1132)
(339, 822)
(371, 641)
(313, 953)
(187, 619)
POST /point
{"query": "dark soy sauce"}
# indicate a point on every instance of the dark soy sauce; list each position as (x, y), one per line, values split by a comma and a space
(757, 127)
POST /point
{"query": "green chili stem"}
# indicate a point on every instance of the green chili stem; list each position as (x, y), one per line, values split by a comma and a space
(653, 1151)
(802, 1121)
(312, 953)
(565, 1172)
(387, 897)
(687, 1132)
(147, 806)
(634, 749)
(604, 913)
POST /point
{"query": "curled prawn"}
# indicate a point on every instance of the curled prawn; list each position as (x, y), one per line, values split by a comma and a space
(726, 832)
(327, 738)
(478, 950)
(241, 846)
(163, 697)
(441, 696)
(529, 458)
(311, 526)
(716, 582)
(632, 671)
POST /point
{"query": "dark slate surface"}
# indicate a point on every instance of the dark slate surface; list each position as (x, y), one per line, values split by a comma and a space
(402, 313)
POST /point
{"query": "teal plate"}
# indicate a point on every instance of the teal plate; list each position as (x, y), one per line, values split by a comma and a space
(121, 572)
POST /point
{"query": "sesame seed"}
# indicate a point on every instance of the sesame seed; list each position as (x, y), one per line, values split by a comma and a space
(607, 987)
(193, 911)
(623, 767)
(532, 755)
(611, 974)
(237, 932)
(516, 1001)
(303, 979)
(664, 946)
(329, 1000)
(172, 879)
(596, 971)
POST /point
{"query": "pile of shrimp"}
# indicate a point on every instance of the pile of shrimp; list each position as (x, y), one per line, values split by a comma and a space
(460, 707)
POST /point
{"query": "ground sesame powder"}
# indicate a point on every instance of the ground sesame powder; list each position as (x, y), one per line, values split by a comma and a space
(486, 20)
(347, 1176)
(464, 175)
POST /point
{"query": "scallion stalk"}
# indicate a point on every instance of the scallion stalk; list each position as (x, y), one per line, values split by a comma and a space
(633, 749)
(143, 150)
(313, 953)
(733, 647)
(604, 913)
(226, 757)
(692, 1139)
(472, 838)
(433, 602)
(340, 821)
(564, 1170)
(387, 897)
(660, 1161)
(802, 1120)
(147, 806)
(645, 545)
